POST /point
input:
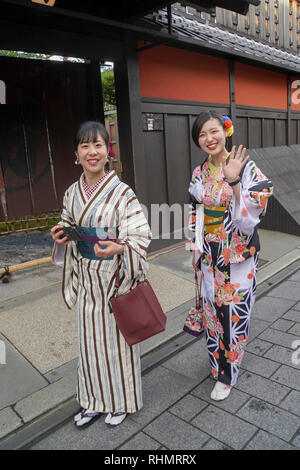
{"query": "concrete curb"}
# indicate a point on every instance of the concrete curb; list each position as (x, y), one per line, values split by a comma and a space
(270, 269)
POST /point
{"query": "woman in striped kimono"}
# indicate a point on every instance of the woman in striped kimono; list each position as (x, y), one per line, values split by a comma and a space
(101, 207)
(228, 196)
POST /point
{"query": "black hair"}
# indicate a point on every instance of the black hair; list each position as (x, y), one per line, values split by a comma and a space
(88, 132)
(201, 120)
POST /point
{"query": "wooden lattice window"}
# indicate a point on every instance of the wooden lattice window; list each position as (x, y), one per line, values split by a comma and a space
(257, 20)
(267, 20)
(276, 22)
(298, 24)
(291, 22)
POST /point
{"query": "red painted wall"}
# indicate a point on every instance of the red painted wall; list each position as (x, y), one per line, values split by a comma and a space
(256, 86)
(170, 73)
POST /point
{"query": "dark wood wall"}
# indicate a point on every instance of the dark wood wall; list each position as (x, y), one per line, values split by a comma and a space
(45, 102)
(258, 128)
(171, 155)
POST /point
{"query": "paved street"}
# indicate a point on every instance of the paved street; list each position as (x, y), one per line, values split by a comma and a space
(262, 411)
(39, 378)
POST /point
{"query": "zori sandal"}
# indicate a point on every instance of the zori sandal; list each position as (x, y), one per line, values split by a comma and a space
(114, 419)
(78, 416)
(220, 391)
(85, 418)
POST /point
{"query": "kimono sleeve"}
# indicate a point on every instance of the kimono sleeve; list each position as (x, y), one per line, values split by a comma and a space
(196, 215)
(69, 254)
(255, 189)
(66, 219)
(134, 229)
(196, 188)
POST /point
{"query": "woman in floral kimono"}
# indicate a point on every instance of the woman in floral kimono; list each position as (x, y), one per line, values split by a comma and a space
(106, 214)
(228, 197)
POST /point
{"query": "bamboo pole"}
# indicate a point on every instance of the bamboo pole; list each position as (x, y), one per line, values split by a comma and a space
(27, 264)
(40, 261)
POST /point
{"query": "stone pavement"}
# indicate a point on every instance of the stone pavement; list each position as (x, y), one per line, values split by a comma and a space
(262, 411)
(38, 380)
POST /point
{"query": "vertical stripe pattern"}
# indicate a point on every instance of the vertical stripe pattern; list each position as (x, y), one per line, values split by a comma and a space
(109, 371)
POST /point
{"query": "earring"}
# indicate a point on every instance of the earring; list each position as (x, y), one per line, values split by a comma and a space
(77, 161)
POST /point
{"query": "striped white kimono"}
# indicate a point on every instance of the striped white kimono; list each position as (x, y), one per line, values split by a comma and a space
(109, 371)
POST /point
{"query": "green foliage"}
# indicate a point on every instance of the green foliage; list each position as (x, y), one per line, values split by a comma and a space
(108, 85)
(38, 56)
(24, 55)
(42, 222)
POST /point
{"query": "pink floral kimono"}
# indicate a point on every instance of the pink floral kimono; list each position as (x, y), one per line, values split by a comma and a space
(227, 245)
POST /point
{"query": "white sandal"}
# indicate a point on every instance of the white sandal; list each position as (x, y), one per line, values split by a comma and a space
(85, 418)
(114, 419)
(220, 391)
(79, 415)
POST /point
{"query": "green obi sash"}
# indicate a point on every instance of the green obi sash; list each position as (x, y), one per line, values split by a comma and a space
(92, 235)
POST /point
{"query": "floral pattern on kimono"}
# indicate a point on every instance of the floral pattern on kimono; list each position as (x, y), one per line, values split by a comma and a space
(228, 261)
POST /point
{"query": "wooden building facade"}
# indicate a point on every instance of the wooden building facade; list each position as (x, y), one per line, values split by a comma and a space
(276, 22)
(260, 102)
(165, 73)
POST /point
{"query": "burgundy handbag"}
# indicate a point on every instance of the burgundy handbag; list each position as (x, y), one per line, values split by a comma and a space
(138, 313)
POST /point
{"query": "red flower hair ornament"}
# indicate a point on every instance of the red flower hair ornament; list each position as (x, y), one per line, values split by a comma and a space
(229, 126)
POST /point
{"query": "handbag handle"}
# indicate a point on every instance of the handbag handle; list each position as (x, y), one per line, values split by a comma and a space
(117, 284)
(198, 290)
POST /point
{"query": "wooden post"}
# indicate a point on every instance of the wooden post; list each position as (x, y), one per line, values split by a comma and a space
(131, 141)
(289, 109)
(3, 195)
(232, 97)
(249, 131)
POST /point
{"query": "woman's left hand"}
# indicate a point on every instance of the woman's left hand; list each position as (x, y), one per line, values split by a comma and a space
(235, 163)
(111, 249)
